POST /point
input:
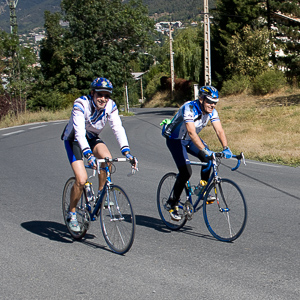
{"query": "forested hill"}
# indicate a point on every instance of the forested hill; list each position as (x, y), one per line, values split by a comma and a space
(179, 9)
(30, 13)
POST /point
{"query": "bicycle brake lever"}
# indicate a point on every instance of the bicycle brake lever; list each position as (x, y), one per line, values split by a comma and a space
(133, 171)
(243, 158)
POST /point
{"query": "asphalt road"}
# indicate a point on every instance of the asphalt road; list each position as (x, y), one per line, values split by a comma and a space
(39, 260)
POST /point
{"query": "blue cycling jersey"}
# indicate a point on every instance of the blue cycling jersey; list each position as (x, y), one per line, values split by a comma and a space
(188, 112)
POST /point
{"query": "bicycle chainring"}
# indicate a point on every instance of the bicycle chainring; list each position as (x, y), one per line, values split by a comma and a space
(188, 210)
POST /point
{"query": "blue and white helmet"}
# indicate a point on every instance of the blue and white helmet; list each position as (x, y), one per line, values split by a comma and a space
(102, 84)
(209, 92)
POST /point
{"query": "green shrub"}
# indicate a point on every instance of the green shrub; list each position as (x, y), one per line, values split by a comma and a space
(153, 85)
(236, 85)
(52, 101)
(268, 82)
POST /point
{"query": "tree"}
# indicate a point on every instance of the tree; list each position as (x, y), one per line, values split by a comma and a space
(282, 19)
(17, 67)
(187, 46)
(229, 18)
(101, 38)
(248, 53)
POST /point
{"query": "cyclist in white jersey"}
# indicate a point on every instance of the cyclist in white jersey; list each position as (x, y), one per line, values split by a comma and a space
(81, 136)
(182, 138)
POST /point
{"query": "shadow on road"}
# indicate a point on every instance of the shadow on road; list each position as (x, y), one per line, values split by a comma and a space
(158, 225)
(58, 232)
(52, 230)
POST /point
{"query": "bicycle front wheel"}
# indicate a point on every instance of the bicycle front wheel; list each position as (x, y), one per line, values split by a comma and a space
(81, 212)
(117, 220)
(226, 216)
(164, 190)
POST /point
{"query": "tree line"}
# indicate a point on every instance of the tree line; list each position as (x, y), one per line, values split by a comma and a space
(113, 39)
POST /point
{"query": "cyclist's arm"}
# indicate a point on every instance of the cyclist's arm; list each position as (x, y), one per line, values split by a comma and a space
(220, 133)
(79, 125)
(118, 129)
(191, 130)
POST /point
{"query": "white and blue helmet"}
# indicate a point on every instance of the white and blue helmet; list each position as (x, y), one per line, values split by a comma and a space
(209, 92)
(102, 84)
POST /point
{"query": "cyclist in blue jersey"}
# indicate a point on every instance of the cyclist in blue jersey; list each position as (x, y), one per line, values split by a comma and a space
(81, 137)
(182, 138)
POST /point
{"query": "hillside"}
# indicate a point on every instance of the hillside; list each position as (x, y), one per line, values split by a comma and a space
(30, 13)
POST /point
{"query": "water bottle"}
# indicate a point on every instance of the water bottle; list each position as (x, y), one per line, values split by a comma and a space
(89, 191)
(199, 188)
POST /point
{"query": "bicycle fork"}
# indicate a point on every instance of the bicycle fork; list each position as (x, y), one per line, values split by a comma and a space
(113, 217)
(226, 209)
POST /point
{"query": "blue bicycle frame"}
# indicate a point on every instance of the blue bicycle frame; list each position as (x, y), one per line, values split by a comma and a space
(213, 177)
(95, 212)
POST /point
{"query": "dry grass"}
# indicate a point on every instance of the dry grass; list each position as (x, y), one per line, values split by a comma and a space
(31, 117)
(41, 116)
(264, 128)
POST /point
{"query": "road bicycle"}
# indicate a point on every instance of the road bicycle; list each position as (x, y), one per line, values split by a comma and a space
(224, 205)
(117, 217)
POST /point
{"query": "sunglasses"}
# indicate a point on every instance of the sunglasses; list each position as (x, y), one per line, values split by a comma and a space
(210, 102)
(100, 95)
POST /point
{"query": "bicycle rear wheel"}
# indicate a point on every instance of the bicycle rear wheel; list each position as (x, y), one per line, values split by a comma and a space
(82, 214)
(117, 220)
(164, 190)
(225, 217)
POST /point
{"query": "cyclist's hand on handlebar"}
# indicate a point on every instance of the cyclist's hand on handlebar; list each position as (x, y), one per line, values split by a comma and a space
(227, 152)
(133, 160)
(206, 152)
(91, 159)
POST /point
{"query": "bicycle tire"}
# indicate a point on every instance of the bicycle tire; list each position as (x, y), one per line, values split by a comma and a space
(164, 190)
(82, 214)
(117, 220)
(225, 221)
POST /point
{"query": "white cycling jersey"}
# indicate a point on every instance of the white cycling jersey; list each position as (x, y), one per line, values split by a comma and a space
(188, 112)
(87, 121)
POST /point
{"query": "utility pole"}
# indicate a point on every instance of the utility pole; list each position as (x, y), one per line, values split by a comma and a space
(171, 62)
(12, 16)
(207, 66)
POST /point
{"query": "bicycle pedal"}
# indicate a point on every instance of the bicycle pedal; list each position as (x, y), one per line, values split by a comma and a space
(210, 201)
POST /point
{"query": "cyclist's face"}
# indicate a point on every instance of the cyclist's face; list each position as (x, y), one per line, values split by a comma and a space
(100, 99)
(208, 106)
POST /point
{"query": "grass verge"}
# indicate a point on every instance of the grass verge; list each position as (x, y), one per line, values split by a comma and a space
(41, 116)
(264, 128)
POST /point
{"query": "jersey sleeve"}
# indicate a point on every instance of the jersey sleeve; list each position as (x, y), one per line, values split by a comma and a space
(118, 129)
(214, 116)
(78, 114)
(188, 112)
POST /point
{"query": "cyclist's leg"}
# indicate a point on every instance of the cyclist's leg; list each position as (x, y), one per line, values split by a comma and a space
(75, 158)
(193, 150)
(80, 180)
(100, 150)
(179, 154)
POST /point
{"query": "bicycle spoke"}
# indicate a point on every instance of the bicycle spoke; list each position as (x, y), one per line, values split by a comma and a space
(117, 220)
(82, 214)
(164, 190)
(226, 217)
